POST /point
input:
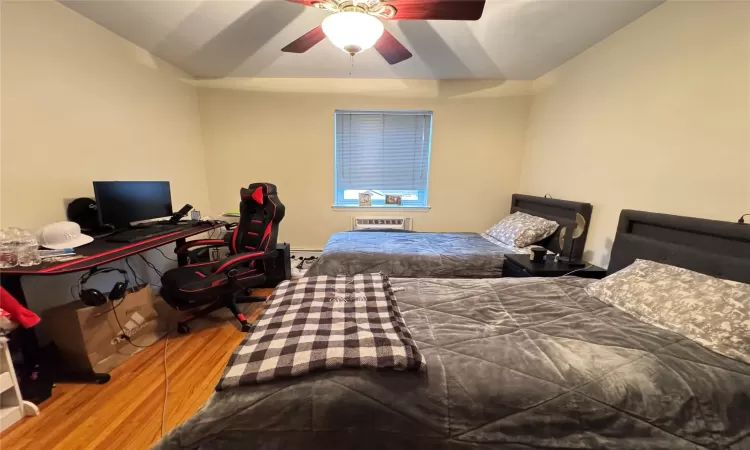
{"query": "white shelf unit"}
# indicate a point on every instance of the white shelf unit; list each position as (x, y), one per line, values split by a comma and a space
(12, 407)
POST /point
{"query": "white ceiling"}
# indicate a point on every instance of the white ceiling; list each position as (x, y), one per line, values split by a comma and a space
(514, 39)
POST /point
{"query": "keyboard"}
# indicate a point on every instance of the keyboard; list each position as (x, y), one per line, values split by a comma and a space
(138, 234)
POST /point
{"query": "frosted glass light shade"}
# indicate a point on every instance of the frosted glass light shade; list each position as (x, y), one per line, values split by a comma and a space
(351, 31)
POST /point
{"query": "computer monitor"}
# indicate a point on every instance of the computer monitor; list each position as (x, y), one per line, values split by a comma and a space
(123, 202)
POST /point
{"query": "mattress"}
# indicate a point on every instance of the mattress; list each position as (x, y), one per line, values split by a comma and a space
(411, 255)
(516, 363)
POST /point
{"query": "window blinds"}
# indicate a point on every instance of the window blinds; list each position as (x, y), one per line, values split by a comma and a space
(382, 150)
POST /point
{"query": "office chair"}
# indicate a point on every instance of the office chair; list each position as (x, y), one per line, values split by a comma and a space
(204, 287)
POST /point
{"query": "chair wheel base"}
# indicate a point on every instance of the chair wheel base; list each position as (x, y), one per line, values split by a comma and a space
(246, 327)
(183, 329)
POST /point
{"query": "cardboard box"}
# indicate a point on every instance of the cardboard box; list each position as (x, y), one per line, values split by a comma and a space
(91, 337)
(168, 315)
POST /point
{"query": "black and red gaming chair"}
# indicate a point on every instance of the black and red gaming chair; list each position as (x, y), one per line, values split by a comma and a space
(207, 286)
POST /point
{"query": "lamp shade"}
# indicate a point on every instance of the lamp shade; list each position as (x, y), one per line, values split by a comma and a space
(351, 31)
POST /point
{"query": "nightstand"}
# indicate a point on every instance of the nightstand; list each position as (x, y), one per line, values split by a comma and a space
(522, 266)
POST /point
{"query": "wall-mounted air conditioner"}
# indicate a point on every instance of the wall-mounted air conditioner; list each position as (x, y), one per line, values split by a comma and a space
(381, 223)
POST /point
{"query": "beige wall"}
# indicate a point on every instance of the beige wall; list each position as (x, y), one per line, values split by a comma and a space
(81, 104)
(656, 117)
(286, 137)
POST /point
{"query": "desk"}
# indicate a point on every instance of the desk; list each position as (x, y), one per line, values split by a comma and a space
(98, 252)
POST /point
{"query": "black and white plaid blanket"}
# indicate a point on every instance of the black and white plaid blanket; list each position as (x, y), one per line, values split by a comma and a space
(325, 323)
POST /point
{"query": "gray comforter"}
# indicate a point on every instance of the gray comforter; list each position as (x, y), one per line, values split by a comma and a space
(411, 255)
(518, 363)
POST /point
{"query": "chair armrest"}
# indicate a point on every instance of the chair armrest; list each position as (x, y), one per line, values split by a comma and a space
(243, 258)
(200, 242)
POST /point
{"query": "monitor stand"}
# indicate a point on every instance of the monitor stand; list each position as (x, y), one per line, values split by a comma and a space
(101, 232)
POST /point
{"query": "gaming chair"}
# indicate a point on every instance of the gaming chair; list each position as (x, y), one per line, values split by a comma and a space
(207, 286)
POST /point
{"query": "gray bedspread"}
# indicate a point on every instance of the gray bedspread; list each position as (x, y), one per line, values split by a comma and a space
(411, 255)
(518, 363)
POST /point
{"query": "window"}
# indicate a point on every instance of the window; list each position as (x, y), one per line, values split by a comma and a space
(384, 153)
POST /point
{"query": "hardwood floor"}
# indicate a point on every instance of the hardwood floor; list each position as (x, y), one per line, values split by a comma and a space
(126, 413)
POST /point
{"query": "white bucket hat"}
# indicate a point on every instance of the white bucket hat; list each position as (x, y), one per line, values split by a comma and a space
(60, 235)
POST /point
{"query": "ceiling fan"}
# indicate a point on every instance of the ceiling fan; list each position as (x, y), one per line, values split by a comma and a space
(356, 26)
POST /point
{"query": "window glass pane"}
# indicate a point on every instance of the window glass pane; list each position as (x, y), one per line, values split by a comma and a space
(384, 153)
(353, 194)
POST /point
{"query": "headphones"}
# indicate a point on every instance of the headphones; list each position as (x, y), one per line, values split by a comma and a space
(93, 297)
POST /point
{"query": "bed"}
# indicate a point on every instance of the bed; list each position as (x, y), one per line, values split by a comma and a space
(442, 255)
(517, 363)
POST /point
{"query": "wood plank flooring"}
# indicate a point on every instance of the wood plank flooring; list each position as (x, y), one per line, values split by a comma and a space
(126, 413)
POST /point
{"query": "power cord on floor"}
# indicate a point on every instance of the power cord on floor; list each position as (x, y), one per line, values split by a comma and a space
(117, 319)
(125, 336)
(165, 336)
(166, 388)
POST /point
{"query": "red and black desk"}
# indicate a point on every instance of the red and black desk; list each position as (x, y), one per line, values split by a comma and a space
(97, 253)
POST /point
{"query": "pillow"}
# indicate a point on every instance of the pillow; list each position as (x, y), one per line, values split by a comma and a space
(710, 311)
(521, 229)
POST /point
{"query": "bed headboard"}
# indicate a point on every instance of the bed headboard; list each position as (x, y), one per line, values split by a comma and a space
(716, 248)
(561, 211)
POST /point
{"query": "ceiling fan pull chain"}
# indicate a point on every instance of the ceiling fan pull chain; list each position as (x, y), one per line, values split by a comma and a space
(351, 55)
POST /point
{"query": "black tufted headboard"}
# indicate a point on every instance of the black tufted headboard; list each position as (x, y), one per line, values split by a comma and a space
(561, 211)
(712, 247)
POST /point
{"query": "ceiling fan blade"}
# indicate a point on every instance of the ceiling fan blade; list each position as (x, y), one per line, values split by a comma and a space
(391, 49)
(306, 42)
(304, 2)
(437, 9)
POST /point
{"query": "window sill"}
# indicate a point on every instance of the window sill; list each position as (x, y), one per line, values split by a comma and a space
(381, 208)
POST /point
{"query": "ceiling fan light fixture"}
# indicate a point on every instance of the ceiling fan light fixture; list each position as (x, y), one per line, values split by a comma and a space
(352, 31)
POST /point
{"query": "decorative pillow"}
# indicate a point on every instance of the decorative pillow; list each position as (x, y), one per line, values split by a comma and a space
(710, 311)
(521, 229)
